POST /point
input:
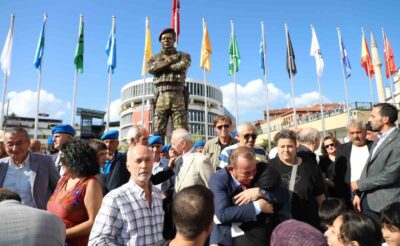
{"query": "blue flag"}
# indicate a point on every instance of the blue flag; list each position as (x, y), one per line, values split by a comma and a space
(111, 50)
(262, 65)
(345, 58)
(37, 62)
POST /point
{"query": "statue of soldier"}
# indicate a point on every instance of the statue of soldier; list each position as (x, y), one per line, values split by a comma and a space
(169, 69)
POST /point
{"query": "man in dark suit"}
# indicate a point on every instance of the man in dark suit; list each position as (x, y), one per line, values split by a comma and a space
(242, 200)
(32, 176)
(379, 183)
(350, 160)
(61, 134)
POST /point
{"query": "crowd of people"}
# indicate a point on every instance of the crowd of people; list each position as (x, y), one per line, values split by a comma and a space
(307, 190)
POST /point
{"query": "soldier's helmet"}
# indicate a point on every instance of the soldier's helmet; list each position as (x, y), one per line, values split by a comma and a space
(167, 30)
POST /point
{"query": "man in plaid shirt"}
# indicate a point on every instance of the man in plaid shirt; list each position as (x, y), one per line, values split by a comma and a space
(131, 214)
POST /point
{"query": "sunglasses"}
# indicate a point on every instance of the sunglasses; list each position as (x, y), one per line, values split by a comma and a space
(248, 136)
(329, 145)
(223, 126)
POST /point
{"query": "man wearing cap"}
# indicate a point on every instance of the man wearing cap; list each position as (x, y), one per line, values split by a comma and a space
(115, 168)
(61, 134)
(169, 69)
(199, 146)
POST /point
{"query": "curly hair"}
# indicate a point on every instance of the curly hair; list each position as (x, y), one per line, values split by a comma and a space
(80, 158)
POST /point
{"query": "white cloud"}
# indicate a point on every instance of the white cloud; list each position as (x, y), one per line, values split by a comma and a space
(24, 104)
(115, 108)
(252, 96)
(307, 99)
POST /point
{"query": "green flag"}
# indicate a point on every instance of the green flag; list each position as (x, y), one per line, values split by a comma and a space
(78, 60)
(234, 56)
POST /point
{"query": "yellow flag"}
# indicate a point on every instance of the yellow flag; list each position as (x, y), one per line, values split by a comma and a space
(147, 48)
(206, 50)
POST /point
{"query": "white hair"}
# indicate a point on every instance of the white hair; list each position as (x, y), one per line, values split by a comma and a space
(246, 126)
(182, 134)
(134, 132)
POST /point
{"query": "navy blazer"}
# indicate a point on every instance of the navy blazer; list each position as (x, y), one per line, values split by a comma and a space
(227, 212)
(43, 177)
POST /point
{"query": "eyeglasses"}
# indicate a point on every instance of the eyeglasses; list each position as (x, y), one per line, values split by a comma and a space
(223, 126)
(248, 136)
(329, 145)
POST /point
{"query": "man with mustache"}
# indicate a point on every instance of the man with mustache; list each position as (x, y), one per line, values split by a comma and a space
(350, 159)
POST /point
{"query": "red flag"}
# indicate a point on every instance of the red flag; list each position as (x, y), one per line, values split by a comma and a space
(175, 20)
(390, 65)
(366, 61)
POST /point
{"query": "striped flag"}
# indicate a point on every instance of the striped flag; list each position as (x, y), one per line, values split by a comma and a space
(262, 54)
(37, 61)
(366, 61)
(111, 49)
(206, 50)
(148, 53)
(5, 58)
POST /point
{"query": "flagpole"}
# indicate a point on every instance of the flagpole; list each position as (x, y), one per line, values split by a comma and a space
(369, 75)
(205, 93)
(266, 84)
(144, 74)
(109, 81)
(291, 78)
(75, 81)
(6, 72)
(388, 68)
(344, 76)
(234, 72)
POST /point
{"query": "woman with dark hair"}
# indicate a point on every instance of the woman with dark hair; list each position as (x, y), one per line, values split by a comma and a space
(327, 163)
(301, 178)
(353, 228)
(78, 195)
(390, 222)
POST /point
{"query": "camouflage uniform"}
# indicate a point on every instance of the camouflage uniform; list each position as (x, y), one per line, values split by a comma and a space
(172, 97)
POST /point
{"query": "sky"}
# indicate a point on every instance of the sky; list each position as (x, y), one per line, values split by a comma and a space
(62, 33)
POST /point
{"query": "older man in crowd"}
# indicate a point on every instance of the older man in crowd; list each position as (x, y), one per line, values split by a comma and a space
(247, 134)
(350, 160)
(61, 134)
(131, 214)
(137, 135)
(213, 147)
(31, 175)
(309, 140)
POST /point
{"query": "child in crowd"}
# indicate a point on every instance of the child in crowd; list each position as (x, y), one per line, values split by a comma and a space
(390, 221)
(329, 210)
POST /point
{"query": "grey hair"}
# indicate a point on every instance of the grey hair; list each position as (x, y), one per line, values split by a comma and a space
(16, 130)
(246, 125)
(357, 122)
(182, 134)
(134, 132)
(308, 135)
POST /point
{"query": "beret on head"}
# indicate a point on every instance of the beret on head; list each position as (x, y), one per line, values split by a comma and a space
(113, 134)
(50, 140)
(155, 140)
(67, 129)
(166, 148)
(199, 144)
(167, 30)
(235, 133)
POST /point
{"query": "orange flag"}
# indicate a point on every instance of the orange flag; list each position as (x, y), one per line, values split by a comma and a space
(390, 65)
(366, 61)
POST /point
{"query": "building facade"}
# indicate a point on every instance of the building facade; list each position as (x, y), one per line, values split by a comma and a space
(133, 93)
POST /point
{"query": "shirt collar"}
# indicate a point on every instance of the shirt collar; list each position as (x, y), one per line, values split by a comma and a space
(385, 134)
(25, 163)
(186, 155)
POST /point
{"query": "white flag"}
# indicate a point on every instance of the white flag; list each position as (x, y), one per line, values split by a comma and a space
(5, 58)
(316, 52)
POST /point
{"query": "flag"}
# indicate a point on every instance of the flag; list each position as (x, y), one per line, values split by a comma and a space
(175, 20)
(234, 56)
(78, 59)
(344, 58)
(366, 61)
(290, 58)
(262, 65)
(147, 49)
(315, 51)
(390, 65)
(206, 50)
(37, 62)
(111, 49)
(5, 58)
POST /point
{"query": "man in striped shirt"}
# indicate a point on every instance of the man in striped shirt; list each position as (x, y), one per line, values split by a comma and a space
(131, 214)
(247, 137)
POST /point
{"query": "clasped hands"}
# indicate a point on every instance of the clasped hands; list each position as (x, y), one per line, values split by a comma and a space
(251, 195)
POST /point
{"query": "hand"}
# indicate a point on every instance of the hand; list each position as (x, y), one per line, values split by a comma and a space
(247, 196)
(357, 203)
(354, 186)
(265, 206)
(171, 163)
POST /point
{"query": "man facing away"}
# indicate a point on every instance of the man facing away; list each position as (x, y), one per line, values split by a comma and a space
(379, 183)
(131, 214)
(213, 147)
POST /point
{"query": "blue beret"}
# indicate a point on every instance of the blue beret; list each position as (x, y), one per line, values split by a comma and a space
(67, 129)
(113, 134)
(166, 148)
(50, 140)
(199, 144)
(235, 133)
(155, 140)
